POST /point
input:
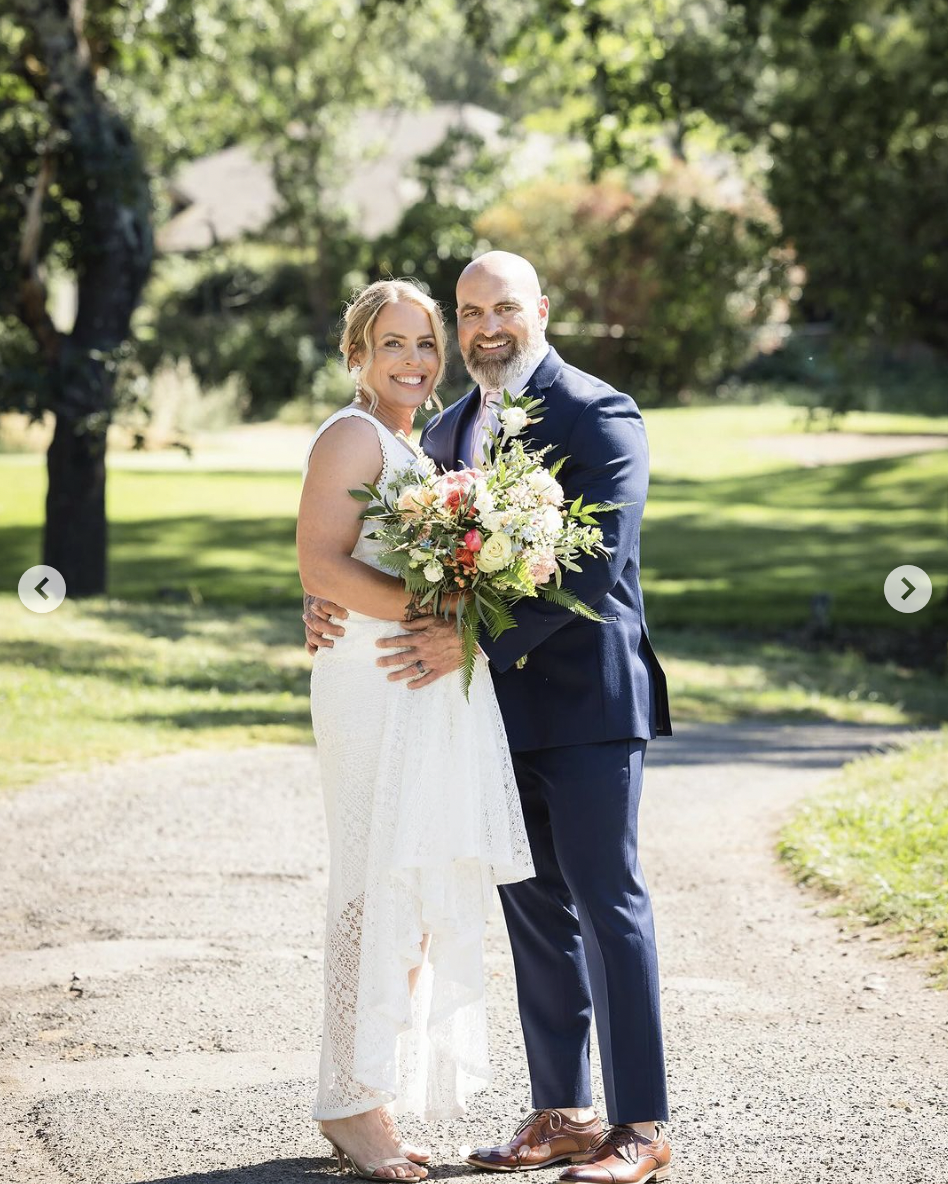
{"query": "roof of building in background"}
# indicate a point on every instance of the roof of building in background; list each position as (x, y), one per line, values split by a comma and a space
(231, 193)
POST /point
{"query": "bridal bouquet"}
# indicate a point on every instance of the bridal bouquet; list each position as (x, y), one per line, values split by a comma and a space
(472, 542)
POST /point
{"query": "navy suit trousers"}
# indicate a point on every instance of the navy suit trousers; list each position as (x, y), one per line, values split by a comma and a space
(581, 931)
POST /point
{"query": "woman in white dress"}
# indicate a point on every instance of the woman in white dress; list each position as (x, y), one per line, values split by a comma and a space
(421, 803)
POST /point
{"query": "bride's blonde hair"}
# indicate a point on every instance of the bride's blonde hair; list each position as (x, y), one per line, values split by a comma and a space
(359, 320)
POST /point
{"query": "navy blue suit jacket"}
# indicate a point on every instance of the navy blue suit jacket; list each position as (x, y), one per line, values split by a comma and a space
(583, 682)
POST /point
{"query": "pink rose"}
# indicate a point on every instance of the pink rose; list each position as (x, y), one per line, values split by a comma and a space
(473, 541)
(455, 486)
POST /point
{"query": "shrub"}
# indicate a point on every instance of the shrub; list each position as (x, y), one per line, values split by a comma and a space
(271, 323)
(838, 375)
(659, 294)
(172, 405)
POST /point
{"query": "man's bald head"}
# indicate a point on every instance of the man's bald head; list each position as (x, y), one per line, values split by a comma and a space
(504, 265)
(502, 316)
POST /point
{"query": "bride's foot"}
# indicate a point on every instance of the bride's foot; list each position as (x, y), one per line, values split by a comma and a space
(409, 1150)
(367, 1142)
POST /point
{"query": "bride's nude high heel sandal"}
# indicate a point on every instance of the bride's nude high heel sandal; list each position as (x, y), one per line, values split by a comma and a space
(419, 1155)
(368, 1171)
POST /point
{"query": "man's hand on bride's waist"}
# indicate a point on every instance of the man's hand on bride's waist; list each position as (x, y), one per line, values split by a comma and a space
(428, 649)
(318, 620)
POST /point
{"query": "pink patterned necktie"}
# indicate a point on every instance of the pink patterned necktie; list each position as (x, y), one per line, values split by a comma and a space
(486, 421)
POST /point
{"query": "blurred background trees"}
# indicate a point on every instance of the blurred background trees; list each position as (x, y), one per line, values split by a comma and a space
(720, 197)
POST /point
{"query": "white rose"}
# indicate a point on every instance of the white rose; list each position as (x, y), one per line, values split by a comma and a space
(496, 553)
(551, 520)
(546, 487)
(514, 420)
(433, 571)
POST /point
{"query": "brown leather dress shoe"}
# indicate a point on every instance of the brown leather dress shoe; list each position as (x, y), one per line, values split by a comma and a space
(544, 1137)
(624, 1157)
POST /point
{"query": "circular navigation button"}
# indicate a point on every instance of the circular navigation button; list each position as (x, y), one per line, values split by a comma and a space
(907, 588)
(42, 589)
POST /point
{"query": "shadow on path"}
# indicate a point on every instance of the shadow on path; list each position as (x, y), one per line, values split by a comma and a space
(817, 746)
(288, 1171)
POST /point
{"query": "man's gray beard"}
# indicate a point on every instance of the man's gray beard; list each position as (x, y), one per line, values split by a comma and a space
(495, 376)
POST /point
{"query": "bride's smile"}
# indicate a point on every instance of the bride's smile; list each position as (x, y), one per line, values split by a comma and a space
(403, 367)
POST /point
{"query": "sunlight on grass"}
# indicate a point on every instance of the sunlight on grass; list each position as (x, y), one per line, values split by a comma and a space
(708, 442)
(730, 538)
(734, 539)
(877, 840)
(105, 680)
(721, 678)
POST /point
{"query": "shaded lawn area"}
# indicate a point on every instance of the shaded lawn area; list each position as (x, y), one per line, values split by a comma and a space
(746, 551)
(104, 680)
(752, 550)
(877, 841)
(202, 645)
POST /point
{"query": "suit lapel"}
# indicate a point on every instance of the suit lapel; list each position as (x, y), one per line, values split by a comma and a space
(541, 386)
(444, 438)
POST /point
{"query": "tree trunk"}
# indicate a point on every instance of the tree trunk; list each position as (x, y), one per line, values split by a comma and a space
(100, 168)
(74, 540)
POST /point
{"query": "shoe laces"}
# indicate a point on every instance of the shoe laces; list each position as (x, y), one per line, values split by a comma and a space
(554, 1118)
(620, 1138)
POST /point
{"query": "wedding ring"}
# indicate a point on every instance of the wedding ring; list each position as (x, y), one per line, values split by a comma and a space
(420, 667)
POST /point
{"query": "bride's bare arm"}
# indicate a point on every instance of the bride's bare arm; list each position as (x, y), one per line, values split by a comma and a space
(346, 456)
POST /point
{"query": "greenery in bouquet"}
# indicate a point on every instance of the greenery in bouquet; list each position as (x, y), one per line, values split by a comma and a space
(471, 542)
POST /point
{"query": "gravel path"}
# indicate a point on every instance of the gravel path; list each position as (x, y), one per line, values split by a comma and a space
(160, 945)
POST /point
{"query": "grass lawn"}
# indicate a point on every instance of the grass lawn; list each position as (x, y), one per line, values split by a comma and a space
(877, 841)
(104, 679)
(737, 539)
(734, 536)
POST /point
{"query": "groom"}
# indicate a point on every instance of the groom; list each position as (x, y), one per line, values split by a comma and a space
(578, 716)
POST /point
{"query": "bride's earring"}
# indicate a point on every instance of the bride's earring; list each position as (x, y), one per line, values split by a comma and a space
(429, 403)
(358, 373)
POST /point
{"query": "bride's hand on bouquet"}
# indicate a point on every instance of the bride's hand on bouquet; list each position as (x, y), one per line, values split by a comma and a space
(320, 626)
(429, 649)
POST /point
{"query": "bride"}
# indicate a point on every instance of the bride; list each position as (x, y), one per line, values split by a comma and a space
(421, 804)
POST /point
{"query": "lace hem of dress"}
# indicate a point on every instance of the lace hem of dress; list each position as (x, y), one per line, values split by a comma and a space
(445, 828)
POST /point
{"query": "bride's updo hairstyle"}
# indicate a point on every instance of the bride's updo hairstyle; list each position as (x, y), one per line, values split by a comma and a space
(359, 320)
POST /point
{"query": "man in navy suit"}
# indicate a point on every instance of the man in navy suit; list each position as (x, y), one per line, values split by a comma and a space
(578, 716)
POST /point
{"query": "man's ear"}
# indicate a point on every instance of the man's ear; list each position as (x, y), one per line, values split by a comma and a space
(544, 311)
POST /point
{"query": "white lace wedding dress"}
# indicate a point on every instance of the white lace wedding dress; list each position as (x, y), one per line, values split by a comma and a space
(424, 820)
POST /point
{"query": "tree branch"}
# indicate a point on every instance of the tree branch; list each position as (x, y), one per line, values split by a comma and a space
(32, 288)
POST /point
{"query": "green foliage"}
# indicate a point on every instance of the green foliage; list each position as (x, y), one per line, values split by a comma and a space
(469, 629)
(566, 599)
(229, 317)
(839, 105)
(663, 292)
(493, 611)
(877, 841)
(436, 236)
(24, 380)
(840, 376)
